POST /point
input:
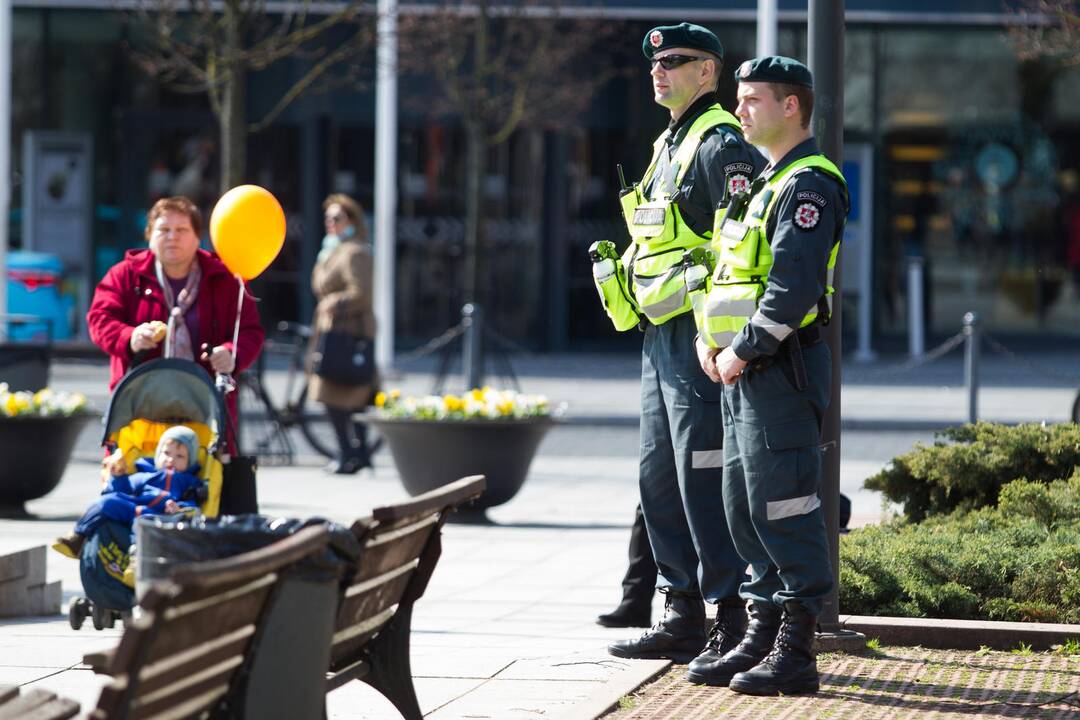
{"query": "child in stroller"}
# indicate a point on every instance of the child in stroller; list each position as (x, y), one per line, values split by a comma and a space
(153, 399)
(168, 484)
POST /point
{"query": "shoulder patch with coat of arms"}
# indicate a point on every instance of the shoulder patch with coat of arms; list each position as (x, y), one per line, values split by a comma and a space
(738, 176)
(807, 215)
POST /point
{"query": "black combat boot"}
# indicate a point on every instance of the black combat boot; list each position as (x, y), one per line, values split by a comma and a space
(680, 635)
(639, 583)
(717, 665)
(790, 667)
(633, 611)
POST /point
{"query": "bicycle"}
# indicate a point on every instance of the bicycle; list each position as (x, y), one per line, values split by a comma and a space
(265, 425)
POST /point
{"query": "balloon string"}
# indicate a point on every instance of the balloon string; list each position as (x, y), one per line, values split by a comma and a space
(236, 327)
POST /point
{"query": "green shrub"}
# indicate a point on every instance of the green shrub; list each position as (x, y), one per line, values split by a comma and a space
(967, 466)
(1020, 561)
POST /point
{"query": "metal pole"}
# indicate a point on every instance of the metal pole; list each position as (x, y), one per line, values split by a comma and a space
(766, 27)
(916, 331)
(6, 20)
(472, 353)
(864, 351)
(386, 117)
(825, 33)
(972, 339)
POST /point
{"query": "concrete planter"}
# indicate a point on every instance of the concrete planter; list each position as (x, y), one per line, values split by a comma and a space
(432, 453)
(36, 451)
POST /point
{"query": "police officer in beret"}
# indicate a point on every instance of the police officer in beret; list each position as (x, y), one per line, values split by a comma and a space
(775, 371)
(697, 161)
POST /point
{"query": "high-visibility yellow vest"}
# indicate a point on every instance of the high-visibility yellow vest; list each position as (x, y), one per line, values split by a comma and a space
(725, 301)
(649, 281)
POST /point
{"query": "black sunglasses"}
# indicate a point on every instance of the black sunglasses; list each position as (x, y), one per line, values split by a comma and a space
(670, 62)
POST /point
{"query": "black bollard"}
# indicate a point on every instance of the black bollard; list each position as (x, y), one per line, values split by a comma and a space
(472, 356)
(971, 363)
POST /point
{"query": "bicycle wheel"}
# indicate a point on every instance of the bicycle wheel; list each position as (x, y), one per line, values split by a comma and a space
(261, 434)
(315, 427)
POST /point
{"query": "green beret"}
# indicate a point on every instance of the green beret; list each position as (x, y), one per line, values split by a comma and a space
(775, 69)
(683, 35)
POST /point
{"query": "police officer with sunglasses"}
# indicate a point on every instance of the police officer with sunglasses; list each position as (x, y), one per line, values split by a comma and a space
(698, 161)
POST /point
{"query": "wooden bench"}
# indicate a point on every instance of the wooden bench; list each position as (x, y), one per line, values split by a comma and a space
(190, 648)
(401, 545)
(35, 704)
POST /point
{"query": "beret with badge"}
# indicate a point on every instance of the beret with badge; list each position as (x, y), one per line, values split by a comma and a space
(683, 35)
(775, 69)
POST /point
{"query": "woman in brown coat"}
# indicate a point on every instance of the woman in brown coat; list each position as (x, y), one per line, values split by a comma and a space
(342, 283)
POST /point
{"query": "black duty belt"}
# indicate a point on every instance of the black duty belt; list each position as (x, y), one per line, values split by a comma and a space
(791, 350)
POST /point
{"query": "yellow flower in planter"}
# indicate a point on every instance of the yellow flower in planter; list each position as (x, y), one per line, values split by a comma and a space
(380, 399)
(477, 404)
(43, 403)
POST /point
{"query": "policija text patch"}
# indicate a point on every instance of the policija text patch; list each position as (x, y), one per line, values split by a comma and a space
(808, 210)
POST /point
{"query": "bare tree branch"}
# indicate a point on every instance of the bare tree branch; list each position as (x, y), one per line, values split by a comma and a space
(1048, 30)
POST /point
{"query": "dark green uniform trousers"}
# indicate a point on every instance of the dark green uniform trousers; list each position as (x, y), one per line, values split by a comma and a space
(681, 471)
(772, 479)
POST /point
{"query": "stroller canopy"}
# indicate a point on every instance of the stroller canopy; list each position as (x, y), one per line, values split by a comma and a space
(168, 390)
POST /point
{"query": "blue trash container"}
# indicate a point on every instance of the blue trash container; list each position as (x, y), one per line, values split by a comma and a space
(34, 289)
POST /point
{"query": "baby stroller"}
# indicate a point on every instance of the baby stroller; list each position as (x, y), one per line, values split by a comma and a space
(148, 400)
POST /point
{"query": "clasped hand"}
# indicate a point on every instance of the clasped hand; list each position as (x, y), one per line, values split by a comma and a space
(721, 366)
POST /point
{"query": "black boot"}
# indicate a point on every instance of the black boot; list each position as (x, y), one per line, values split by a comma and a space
(631, 612)
(790, 667)
(639, 583)
(680, 635)
(716, 666)
(352, 456)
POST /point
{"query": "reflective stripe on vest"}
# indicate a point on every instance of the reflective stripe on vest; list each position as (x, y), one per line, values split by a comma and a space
(658, 230)
(744, 258)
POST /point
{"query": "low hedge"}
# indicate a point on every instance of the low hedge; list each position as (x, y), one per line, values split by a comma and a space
(1019, 561)
(967, 466)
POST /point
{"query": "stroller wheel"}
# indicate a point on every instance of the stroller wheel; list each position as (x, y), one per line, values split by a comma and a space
(100, 617)
(77, 612)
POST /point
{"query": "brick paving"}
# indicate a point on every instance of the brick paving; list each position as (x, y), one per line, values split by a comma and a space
(894, 682)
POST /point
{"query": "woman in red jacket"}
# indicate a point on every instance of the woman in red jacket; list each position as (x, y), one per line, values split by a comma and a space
(173, 278)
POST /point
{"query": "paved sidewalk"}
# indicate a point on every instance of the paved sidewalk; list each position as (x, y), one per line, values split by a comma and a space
(506, 628)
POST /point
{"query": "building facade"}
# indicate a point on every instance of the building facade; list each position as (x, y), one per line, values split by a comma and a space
(973, 157)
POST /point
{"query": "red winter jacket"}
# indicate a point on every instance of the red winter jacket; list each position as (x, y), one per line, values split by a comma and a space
(130, 295)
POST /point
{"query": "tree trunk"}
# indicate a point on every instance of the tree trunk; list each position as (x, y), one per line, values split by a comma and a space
(474, 172)
(233, 118)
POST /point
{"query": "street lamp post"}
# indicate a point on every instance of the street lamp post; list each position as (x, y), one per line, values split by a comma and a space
(386, 61)
(825, 32)
(6, 20)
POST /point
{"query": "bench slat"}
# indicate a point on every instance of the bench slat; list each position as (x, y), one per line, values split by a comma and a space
(381, 557)
(37, 704)
(359, 611)
(191, 662)
(356, 671)
(447, 496)
(197, 698)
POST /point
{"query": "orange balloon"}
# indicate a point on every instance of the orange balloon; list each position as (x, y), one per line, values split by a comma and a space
(247, 228)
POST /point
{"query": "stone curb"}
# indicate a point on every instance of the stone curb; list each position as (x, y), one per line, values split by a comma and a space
(606, 697)
(960, 634)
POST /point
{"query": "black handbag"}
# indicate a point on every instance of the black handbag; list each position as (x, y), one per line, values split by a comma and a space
(344, 359)
(238, 492)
